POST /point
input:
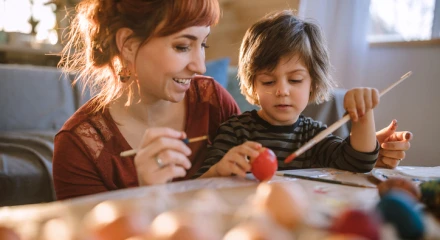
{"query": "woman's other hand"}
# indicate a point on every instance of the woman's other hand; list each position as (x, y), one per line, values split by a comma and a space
(162, 156)
(392, 145)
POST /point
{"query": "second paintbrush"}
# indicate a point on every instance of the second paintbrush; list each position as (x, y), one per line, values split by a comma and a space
(323, 180)
(133, 152)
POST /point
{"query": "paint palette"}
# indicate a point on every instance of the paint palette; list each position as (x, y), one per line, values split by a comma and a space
(415, 174)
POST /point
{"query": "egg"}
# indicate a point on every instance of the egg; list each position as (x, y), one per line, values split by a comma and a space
(431, 196)
(399, 208)
(344, 237)
(122, 227)
(259, 226)
(257, 229)
(112, 220)
(181, 225)
(286, 203)
(264, 165)
(399, 183)
(8, 234)
(357, 222)
(56, 228)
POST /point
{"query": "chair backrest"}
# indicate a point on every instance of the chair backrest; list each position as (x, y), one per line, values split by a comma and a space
(34, 98)
(330, 112)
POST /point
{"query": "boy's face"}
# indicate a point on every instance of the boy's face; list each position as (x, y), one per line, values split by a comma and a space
(283, 93)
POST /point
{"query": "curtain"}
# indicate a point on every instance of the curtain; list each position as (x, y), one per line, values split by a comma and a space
(345, 26)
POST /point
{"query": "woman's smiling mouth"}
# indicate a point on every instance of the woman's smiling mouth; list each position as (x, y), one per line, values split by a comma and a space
(184, 81)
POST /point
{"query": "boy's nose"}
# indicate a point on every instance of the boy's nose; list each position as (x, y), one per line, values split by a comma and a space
(282, 92)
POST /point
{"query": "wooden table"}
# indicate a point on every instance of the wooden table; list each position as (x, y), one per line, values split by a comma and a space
(327, 199)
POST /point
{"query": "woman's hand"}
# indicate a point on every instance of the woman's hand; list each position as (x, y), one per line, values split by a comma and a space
(162, 156)
(235, 160)
(392, 145)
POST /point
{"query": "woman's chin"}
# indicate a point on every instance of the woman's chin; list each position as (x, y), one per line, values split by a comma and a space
(175, 98)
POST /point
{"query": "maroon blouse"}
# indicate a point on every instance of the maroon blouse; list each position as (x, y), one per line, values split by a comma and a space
(86, 156)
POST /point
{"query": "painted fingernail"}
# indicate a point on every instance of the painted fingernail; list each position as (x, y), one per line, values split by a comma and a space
(394, 126)
(408, 136)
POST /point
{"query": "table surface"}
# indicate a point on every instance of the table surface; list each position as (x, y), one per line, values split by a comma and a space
(327, 199)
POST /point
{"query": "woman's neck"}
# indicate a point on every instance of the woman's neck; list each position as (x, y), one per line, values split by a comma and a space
(158, 113)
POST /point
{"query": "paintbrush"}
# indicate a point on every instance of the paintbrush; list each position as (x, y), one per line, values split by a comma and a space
(132, 152)
(323, 180)
(336, 125)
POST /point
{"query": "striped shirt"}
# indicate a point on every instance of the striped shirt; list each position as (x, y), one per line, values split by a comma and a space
(332, 151)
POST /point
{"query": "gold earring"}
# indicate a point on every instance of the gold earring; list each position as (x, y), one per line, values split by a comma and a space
(124, 74)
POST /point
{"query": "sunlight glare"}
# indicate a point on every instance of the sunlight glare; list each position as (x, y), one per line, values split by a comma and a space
(403, 19)
(15, 15)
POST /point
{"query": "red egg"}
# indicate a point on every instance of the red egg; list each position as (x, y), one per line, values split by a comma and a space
(358, 223)
(265, 165)
(8, 234)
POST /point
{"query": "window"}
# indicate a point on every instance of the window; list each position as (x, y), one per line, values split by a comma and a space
(404, 20)
(15, 16)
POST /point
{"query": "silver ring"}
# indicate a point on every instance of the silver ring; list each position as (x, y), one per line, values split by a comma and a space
(159, 162)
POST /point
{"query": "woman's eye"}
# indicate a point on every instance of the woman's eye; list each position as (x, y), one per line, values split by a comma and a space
(204, 45)
(268, 83)
(182, 48)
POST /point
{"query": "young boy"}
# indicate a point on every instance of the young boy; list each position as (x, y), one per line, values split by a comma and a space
(284, 66)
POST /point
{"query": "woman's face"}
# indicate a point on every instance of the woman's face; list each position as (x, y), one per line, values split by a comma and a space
(165, 66)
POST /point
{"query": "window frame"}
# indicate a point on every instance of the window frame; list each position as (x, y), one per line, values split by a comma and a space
(435, 35)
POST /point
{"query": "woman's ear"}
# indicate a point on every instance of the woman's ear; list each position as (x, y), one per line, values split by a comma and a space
(127, 45)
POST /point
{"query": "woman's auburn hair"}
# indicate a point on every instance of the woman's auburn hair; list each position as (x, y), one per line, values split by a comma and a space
(281, 34)
(91, 52)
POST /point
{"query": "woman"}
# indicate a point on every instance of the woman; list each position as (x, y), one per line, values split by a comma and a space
(143, 59)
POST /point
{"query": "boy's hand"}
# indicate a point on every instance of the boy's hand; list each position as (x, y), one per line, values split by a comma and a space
(235, 160)
(358, 101)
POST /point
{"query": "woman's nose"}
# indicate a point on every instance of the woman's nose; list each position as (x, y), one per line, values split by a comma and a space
(197, 63)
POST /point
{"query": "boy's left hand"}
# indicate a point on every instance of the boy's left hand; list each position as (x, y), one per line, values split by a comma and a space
(358, 101)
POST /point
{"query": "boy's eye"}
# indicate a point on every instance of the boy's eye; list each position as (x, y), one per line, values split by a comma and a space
(204, 45)
(182, 48)
(295, 81)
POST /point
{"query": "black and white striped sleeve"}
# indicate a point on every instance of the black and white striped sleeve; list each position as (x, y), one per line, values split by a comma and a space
(225, 140)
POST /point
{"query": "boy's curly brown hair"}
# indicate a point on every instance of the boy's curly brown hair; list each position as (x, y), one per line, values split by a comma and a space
(278, 35)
